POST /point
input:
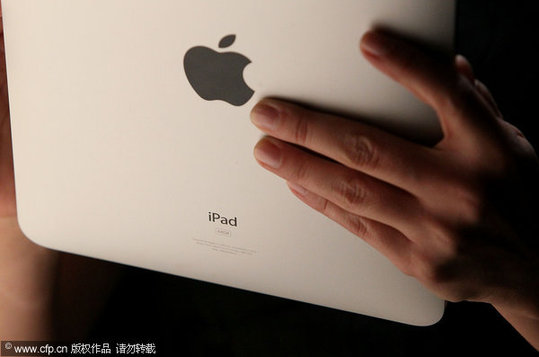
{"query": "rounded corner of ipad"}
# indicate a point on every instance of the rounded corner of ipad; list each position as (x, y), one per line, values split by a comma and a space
(436, 315)
(28, 230)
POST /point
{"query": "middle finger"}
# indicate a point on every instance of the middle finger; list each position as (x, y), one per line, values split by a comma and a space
(358, 146)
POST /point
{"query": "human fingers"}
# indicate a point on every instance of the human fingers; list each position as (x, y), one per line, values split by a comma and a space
(358, 146)
(471, 240)
(487, 95)
(387, 240)
(351, 190)
(464, 67)
(434, 79)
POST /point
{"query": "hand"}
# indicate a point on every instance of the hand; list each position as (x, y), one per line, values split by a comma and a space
(460, 217)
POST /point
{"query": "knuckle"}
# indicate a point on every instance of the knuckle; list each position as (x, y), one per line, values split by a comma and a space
(444, 235)
(301, 129)
(301, 171)
(324, 207)
(360, 151)
(472, 210)
(358, 226)
(351, 191)
(471, 203)
(432, 270)
(466, 209)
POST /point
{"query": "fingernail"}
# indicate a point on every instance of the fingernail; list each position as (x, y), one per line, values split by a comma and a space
(297, 188)
(268, 153)
(375, 44)
(265, 116)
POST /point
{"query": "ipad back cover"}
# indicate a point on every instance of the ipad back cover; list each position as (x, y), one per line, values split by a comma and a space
(132, 139)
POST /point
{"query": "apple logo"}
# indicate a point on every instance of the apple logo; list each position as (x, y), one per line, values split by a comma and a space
(218, 75)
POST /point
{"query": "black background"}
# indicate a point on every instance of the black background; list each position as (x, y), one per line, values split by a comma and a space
(186, 317)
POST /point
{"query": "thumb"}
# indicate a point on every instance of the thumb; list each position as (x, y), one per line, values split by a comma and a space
(434, 79)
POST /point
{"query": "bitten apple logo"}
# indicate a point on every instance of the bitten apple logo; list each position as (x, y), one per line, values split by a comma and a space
(218, 75)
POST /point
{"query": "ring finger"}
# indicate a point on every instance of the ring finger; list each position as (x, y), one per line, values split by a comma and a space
(349, 189)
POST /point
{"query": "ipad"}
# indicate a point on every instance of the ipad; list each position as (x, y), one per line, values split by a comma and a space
(132, 140)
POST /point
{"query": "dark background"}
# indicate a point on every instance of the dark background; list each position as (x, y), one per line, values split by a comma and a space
(186, 317)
